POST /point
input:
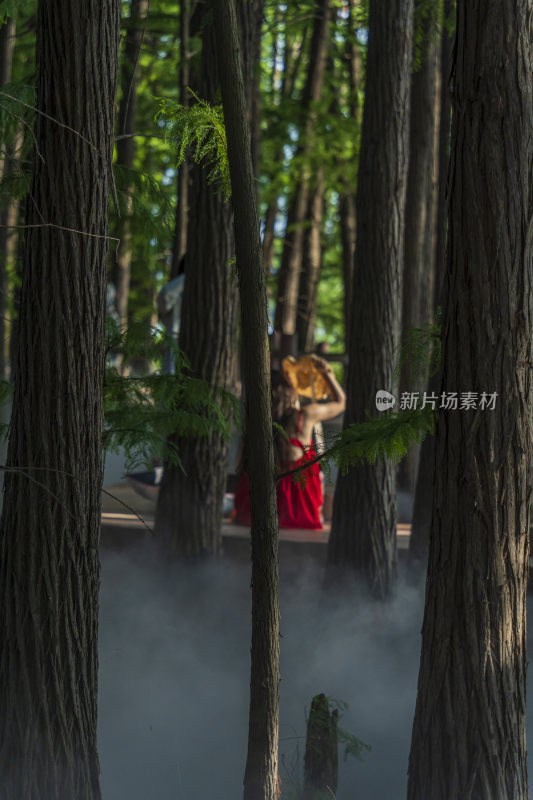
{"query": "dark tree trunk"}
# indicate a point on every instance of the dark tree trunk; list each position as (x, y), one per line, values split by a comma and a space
(421, 210)
(49, 538)
(347, 217)
(469, 730)
(260, 780)
(127, 116)
(321, 760)
(363, 533)
(189, 510)
(182, 206)
(291, 260)
(311, 267)
(444, 152)
(347, 227)
(423, 501)
(250, 21)
(269, 236)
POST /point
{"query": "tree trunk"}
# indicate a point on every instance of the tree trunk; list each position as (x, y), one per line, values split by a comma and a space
(347, 227)
(444, 151)
(291, 65)
(7, 155)
(321, 760)
(363, 533)
(260, 780)
(127, 116)
(347, 218)
(269, 236)
(420, 210)
(189, 509)
(311, 268)
(423, 501)
(49, 571)
(469, 730)
(291, 260)
(182, 205)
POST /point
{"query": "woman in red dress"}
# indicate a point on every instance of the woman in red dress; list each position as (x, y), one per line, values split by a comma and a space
(299, 501)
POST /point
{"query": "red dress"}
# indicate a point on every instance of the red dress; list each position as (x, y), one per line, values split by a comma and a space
(299, 501)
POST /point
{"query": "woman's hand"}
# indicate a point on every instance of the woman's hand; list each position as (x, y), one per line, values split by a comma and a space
(321, 364)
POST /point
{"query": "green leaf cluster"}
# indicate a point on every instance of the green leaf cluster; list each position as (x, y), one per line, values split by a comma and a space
(146, 412)
(199, 129)
(388, 436)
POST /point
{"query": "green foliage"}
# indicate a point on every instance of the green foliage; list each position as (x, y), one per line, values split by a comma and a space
(428, 26)
(143, 409)
(353, 746)
(12, 8)
(200, 129)
(388, 436)
(17, 100)
(421, 350)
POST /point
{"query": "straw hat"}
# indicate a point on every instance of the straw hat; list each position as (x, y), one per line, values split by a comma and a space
(304, 375)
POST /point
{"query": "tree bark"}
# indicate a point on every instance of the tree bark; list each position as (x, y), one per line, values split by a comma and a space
(49, 533)
(444, 152)
(421, 210)
(468, 737)
(189, 509)
(347, 221)
(127, 116)
(182, 205)
(260, 780)
(7, 156)
(423, 501)
(311, 267)
(363, 533)
(347, 217)
(291, 259)
(321, 760)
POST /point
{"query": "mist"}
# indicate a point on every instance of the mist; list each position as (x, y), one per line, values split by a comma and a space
(174, 678)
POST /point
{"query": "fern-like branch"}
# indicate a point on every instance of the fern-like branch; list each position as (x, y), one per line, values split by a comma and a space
(199, 128)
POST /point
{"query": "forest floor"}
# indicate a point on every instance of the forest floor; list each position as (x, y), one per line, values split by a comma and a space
(174, 676)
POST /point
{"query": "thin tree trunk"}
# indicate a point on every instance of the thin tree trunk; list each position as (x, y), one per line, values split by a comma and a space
(7, 155)
(49, 533)
(363, 532)
(444, 152)
(311, 267)
(290, 74)
(269, 236)
(423, 502)
(260, 781)
(11, 218)
(347, 228)
(469, 738)
(127, 116)
(291, 260)
(182, 206)
(420, 210)
(250, 19)
(347, 216)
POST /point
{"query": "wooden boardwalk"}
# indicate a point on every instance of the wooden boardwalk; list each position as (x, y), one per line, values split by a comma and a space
(231, 531)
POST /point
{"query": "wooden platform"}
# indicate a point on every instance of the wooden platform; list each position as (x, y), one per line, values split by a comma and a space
(145, 523)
